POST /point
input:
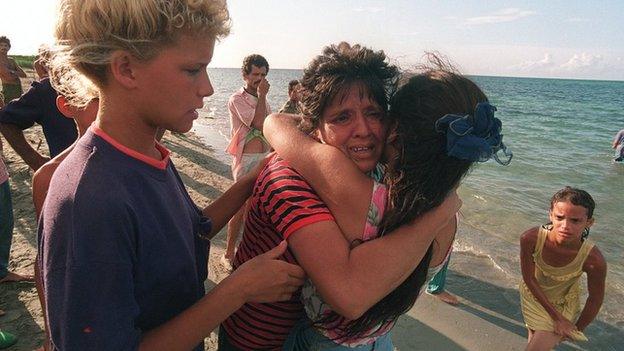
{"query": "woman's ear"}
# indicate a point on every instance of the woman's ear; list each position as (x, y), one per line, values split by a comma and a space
(122, 67)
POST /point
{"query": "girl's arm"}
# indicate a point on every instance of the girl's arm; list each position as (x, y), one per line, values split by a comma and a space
(336, 179)
(596, 268)
(528, 241)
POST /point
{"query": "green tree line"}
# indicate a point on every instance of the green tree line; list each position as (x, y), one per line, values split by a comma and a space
(25, 61)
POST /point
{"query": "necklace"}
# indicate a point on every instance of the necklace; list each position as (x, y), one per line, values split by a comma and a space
(249, 92)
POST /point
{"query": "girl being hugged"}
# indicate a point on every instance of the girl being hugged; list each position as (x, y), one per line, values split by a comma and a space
(553, 257)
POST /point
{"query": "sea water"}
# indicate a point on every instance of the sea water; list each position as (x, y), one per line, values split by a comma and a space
(560, 132)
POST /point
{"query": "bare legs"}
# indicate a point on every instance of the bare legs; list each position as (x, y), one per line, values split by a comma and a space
(542, 340)
(233, 231)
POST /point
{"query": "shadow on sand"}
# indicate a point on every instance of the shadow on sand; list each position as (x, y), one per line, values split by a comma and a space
(505, 305)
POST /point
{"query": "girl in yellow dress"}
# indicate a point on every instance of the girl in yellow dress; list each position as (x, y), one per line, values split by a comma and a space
(553, 257)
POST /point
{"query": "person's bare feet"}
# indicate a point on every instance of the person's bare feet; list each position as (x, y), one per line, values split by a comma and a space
(448, 298)
(14, 277)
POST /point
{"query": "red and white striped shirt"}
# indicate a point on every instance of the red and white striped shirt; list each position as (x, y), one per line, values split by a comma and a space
(282, 202)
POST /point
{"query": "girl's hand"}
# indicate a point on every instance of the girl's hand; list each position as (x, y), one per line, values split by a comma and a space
(565, 328)
(267, 279)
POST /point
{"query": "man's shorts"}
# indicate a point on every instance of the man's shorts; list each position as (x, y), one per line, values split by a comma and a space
(248, 162)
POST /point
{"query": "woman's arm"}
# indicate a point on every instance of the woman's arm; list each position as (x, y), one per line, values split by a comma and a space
(353, 280)
(334, 177)
(596, 268)
(528, 240)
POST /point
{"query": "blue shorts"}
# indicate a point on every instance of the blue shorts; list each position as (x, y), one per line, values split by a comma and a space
(305, 337)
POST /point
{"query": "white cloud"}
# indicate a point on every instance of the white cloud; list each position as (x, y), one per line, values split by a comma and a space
(504, 15)
(571, 65)
(577, 20)
(529, 65)
(582, 61)
(370, 9)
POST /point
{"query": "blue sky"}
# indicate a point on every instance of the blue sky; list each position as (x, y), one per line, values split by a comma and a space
(567, 39)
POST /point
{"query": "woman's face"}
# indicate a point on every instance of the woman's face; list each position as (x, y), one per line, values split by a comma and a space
(355, 124)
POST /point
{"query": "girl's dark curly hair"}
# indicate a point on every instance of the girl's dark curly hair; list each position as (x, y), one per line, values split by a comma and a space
(577, 197)
(336, 70)
(422, 174)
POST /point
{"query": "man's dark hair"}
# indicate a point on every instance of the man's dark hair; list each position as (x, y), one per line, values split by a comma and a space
(6, 40)
(256, 60)
(292, 84)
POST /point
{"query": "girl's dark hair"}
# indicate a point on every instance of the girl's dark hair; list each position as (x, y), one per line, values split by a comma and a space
(577, 197)
(422, 175)
(335, 70)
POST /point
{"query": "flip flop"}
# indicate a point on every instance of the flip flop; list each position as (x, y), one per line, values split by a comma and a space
(7, 339)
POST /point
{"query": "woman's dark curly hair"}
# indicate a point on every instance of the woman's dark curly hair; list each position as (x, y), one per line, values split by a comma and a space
(421, 175)
(336, 70)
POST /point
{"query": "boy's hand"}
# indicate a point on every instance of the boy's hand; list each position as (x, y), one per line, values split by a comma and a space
(265, 278)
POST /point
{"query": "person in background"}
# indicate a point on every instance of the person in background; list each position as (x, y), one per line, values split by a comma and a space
(6, 223)
(248, 107)
(6, 234)
(437, 282)
(37, 105)
(618, 145)
(294, 95)
(10, 72)
(553, 257)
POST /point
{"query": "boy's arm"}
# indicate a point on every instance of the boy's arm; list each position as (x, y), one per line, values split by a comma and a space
(40, 184)
(596, 268)
(265, 278)
(221, 210)
(18, 70)
(15, 136)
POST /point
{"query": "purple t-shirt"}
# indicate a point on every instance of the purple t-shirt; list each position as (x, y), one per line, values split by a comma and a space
(38, 105)
(119, 244)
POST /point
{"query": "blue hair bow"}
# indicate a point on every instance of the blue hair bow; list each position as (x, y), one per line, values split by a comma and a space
(475, 137)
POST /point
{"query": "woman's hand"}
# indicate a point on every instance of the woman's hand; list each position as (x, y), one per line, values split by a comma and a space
(265, 278)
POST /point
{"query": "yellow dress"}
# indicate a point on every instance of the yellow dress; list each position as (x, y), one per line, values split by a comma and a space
(561, 286)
